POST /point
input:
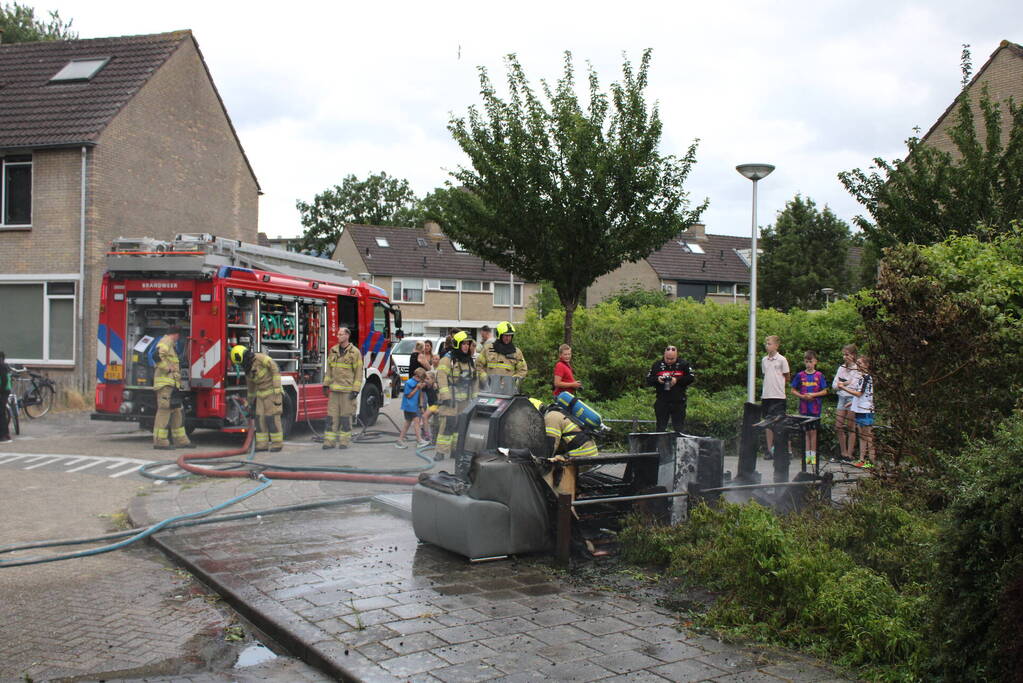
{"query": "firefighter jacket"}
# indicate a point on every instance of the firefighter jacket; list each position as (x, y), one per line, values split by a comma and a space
(344, 369)
(168, 372)
(456, 378)
(263, 378)
(565, 437)
(501, 359)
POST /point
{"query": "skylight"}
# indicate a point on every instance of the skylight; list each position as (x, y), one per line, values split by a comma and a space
(80, 69)
(421, 242)
(690, 247)
(382, 242)
(457, 246)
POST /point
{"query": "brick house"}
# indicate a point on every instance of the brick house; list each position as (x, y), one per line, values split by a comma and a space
(694, 264)
(99, 139)
(1002, 73)
(438, 284)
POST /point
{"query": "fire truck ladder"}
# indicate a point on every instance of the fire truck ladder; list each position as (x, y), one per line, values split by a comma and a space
(202, 253)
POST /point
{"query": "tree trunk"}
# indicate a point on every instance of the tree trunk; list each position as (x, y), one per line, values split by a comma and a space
(570, 306)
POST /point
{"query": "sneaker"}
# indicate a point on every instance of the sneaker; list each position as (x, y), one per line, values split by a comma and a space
(423, 444)
(859, 463)
(399, 444)
(6, 440)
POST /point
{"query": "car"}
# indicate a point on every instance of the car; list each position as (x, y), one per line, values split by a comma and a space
(403, 352)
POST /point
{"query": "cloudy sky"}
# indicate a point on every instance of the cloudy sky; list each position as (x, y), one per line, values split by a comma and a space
(318, 90)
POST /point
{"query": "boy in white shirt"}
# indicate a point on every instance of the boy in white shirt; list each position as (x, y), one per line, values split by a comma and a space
(863, 409)
(776, 380)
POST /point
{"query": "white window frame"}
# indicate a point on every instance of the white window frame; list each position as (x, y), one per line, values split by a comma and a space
(485, 286)
(437, 285)
(518, 290)
(382, 242)
(398, 288)
(44, 280)
(669, 288)
(3, 191)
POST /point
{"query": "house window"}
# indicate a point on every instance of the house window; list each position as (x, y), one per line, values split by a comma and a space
(382, 242)
(475, 286)
(45, 312)
(501, 294)
(742, 290)
(421, 242)
(690, 247)
(409, 290)
(457, 246)
(442, 285)
(16, 192)
(668, 288)
(80, 70)
(721, 288)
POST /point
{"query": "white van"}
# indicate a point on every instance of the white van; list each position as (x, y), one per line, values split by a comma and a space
(403, 351)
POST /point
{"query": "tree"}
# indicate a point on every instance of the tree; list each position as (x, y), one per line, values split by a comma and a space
(19, 25)
(380, 199)
(932, 195)
(804, 251)
(562, 193)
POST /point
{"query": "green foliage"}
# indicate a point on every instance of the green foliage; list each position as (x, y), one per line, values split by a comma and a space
(804, 251)
(945, 326)
(563, 190)
(380, 199)
(19, 25)
(978, 594)
(545, 300)
(614, 348)
(933, 195)
(637, 297)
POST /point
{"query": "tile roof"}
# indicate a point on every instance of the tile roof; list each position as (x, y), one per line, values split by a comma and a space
(718, 263)
(404, 255)
(37, 113)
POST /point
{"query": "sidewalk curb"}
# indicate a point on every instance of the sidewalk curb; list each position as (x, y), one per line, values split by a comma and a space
(299, 638)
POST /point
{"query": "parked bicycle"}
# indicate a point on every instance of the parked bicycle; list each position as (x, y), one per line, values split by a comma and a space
(37, 398)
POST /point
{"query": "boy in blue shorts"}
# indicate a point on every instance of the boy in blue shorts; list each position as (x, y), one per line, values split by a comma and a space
(410, 407)
(810, 385)
(863, 409)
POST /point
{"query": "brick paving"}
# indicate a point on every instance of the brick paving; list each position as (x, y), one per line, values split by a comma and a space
(351, 591)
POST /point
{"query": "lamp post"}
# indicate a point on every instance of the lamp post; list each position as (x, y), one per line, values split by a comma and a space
(753, 172)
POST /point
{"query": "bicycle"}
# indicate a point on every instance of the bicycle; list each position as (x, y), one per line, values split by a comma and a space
(13, 406)
(37, 399)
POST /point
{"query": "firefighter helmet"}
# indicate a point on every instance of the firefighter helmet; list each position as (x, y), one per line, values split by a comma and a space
(505, 328)
(537, 404)
(238, 354)
(460, 338)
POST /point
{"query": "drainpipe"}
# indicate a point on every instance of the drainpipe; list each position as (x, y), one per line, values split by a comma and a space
(83, 364)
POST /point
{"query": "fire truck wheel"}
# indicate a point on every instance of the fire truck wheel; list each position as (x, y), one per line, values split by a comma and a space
(287, 413)
(372, 400)
(146, 425)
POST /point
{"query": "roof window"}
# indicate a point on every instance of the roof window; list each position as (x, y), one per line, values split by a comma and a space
(456, 246)
(80, 70)
(421, 242)
(382, 242)
(690, 248)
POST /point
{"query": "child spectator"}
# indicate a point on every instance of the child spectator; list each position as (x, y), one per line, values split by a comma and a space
(863, 409)
(845, 424)
(776, 377)
(809, 385)
(564, 380)
(410, 407)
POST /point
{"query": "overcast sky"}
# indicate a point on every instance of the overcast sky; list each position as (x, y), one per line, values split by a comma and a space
(318, 90)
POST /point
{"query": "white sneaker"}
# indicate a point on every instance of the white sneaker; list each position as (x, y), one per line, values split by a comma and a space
(6, 440)
(423, 444)
(399, 444)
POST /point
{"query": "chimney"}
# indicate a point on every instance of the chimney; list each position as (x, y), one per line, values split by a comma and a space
(696, 231)
(433, 230)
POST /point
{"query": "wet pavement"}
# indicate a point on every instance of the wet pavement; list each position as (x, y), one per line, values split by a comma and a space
(349, 590)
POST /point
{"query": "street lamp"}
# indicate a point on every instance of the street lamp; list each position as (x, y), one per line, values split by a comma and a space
(827, 292)
(753, 172)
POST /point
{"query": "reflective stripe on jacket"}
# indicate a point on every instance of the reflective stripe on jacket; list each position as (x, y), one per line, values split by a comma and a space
(493, 363)
(168, 372)
(344, 369)
(455, 379)
(568, 437)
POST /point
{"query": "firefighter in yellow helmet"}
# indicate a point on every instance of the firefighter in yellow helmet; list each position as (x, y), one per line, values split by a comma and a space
(566, 440)
(456, 385)
(266, 397)
(501, 357)
(169, 424)
(342, 383)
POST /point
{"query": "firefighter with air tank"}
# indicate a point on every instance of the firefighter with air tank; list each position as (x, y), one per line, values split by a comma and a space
(342, 382)
(568, 437)
(265, 396)
(456, 383)
(502, 357)
(169, 424)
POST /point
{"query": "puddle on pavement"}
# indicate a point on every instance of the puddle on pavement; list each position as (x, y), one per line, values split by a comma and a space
(253, 655)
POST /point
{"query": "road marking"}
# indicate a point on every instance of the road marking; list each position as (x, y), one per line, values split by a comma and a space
(121, 474)
(40, 464)
(86, 465)
(77, 463)
(8, 458)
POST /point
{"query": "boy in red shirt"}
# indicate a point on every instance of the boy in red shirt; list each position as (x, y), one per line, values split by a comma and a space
(564, 380)
(810, 385)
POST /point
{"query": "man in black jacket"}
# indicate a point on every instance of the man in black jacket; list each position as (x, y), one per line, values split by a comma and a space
(670, 376)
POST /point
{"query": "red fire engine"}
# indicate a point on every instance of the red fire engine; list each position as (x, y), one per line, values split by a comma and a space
(222, 292)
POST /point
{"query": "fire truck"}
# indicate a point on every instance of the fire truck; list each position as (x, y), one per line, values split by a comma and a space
(223, 292)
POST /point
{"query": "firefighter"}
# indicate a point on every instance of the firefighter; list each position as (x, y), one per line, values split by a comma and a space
(456, 383)
(342, 383)
(266, 397)
(566, 440)
(169, 421)
(501, 357)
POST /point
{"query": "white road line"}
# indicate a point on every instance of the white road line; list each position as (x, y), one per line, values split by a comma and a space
(41, 464)
(72, 461)
(10, 458)
(121, 474)
(82, 467)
